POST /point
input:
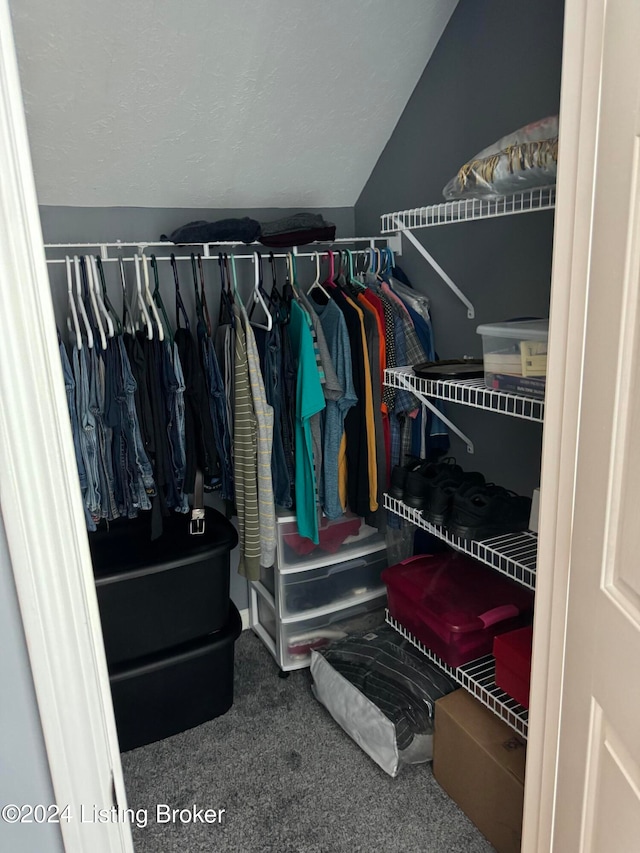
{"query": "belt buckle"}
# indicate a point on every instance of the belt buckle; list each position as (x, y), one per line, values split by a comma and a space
(196, 526)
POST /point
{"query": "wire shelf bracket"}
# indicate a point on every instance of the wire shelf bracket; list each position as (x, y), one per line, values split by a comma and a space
(512, 554)
(435, 265)
(478, 678)
(467, 392)
(404, 381)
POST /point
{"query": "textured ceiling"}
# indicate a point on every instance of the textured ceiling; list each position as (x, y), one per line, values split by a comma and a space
(216, 103)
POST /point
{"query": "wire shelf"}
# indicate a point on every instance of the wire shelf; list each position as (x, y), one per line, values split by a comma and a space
(468, 392)
(513, 554)
(478, 677)
(469, 209)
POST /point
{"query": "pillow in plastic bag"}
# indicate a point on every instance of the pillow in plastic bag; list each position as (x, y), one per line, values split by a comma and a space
(521, 160)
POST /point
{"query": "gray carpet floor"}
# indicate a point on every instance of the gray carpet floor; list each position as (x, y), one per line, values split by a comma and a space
(290, 780)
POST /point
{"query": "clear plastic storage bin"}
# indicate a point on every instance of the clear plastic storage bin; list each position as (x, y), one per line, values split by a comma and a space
(342, 539)
(515, 356)
(329, 586)
(301, 637)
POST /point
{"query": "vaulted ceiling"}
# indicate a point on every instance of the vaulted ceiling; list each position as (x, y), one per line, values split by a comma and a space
(216, 103)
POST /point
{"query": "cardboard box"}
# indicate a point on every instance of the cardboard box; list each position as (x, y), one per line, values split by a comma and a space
(479, 761)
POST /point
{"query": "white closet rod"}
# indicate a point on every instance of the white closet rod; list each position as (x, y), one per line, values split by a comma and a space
(207, 257)
(392, 241)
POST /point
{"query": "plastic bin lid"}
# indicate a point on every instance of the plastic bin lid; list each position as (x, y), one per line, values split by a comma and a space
(455, 590)
(521, 330)
(127, 545)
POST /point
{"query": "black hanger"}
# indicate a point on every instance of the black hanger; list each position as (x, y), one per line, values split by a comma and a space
(105, 298)
(203, 298)
(226, 299)
(180, 309)
(194, 272)
(157, 298)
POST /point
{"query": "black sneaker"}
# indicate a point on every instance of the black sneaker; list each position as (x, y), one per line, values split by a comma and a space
(487, 511)
(399, 477)
(418, 483)
(451, 481)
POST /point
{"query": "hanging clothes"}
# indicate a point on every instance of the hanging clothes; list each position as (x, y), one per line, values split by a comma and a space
(245, 459)
(335, 460)
(309, 401)
(264, 439)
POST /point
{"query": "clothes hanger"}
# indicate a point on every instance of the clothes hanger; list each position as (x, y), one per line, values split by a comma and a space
(194, 273)
(226, 301)
(149, 298)
(180, 309)
(141, 304)
(236, 294)
(157, 298)
(80, 303)
(316, 281)
(127, 313)
(73, 324)
(112, 311)
(203, 298)
(378, 261)
(86, 270)
(274, 278)
(256, 293)
(95, 284)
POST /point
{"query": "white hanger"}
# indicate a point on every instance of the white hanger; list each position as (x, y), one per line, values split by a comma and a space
(316, 282)
(128, 325)
(83, 310)
(94, 303)
(150, 302)
(98, 291)
(141, 305)
(256, 296)
(72, 306)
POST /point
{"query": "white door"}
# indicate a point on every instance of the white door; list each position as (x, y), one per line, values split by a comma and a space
(597, 794)
(42, 510)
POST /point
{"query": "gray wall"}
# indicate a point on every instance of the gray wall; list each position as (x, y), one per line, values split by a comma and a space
(83, 225)
(24, 768)
(496, 68)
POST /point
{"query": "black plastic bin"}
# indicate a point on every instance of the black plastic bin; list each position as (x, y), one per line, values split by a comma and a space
(154, 595)
(164, 694)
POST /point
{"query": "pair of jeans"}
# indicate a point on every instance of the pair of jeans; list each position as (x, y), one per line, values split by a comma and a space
(218, 409)
(176, 498)
(70, 388)
(87, 433)
(139, 468)
(108, 507)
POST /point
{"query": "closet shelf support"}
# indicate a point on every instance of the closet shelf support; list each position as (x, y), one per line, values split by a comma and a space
(436, 266)
(404, 381)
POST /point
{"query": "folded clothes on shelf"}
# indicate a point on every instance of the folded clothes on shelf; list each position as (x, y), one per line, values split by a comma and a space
(297, 230)
(244, 230)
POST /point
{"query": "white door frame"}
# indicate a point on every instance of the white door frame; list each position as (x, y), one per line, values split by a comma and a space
(41, 505)
(579, 115)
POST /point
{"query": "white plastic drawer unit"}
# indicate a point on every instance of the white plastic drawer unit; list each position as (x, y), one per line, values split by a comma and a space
(297, 639)
(343, 539)
(328, 587)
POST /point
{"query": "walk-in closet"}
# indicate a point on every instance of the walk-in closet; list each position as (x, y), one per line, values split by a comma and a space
(318, 387)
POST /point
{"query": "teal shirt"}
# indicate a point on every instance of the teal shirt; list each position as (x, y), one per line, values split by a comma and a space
(309, 401)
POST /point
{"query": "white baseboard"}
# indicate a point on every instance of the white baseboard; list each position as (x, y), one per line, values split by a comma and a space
(244, 614)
